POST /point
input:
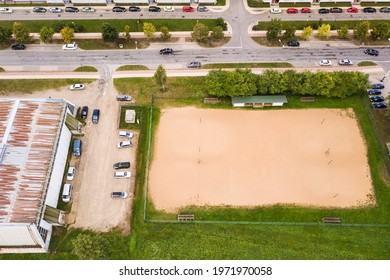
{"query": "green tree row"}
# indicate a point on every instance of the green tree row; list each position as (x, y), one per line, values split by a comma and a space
(245, 83)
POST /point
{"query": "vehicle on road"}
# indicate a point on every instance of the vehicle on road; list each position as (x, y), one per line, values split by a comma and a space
(345, 62)
(121, 174)
(55, 10)
(77, 87)
(126, 134)
(18, 46)
(188, 9)
(84, 112)
(325, 62)
(202, 9)
(119, 9)
(121, 165)
(374, 92)
(39, 10)
(323, 11)
(88, 10)
(67, 193)
(384, 10)
(293, 44)
(194, 64)
(124, 144)
(70, 47)
(292, 11)
(95, 116)
(77, 147)
(378, 86)
(371, 52)
(306, 11)
(378, 98)
(124, 98)
(169, 9)
(119, 195)
(6, 11)
(335, 10)
(379, 105)
(352, 10)
(275, 11)
(369, 10)
(71, 172)
(71, 9)
(154, 9)
(134, 9)
(166, 51)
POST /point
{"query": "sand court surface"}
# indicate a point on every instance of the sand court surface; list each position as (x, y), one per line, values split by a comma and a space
(312, 157)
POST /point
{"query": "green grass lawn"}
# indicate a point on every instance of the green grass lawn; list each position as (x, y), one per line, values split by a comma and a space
(85, 69)
(2, 69)
(248, 65)
(132, 67)
(367, 63)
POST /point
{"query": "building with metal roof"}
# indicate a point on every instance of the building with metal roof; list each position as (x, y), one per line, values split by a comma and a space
(259, 101)
(34, 144)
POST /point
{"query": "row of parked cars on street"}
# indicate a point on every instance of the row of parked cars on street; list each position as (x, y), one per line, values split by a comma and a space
(186, 9)
(330, 10)
(378, 101)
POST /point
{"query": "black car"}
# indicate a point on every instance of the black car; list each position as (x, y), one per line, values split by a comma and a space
(18, 46)
(134, 9)
(336, 10)
(166, 51)
(72, 9)
(384, 10)
(374, 92)
(323, 11)
(154, 9)
(369, 10)
(379, 105)
(371, 52)
(377, 86)
(95, 116)
(377, 98)
(121, 165)
(293, 44)
(39, 10)
(84, 112)
(119, 9)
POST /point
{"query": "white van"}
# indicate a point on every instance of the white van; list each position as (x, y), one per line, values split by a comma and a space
(67, 193)
(120, 174)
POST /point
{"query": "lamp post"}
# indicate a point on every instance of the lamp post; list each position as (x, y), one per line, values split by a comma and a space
(280, 41)
(385, 76)
(136, 46)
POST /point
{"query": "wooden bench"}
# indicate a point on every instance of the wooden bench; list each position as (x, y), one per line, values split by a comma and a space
(186, 217)
(331, 220)
(308, 99)
(211, 100)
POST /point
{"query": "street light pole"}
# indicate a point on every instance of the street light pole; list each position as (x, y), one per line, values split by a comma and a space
(385, 76)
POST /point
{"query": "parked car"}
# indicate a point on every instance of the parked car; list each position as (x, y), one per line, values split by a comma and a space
(378, 98)
(124, 144)
(39, 10)
(71, 173)
(126, 134)
(18, 46)
(345, 62)
(88, 10)
(194, 64)
(119, 9)
(369, 10)
(119, 195)
(121, 165)
(77, 144)
(67, 193)
(55, 10)
(169, 9)
(384, 10)
(275, 11)
(166, 51)
(352, 10)
(124, 98)
(84, 112)
(69, 47)
(325, 62)
(323, 11)
(374, 92)
(306, 10)
(77, 87)
(202, 9)
(71, 9)
(379, 105)
(371, 52)
(95, 116)
(134, 9)
(292, 11)
(378, 86)
(121, 174)
(188, 9)
(154, 9)
(6, 10)
(335, 10)
(293, 44)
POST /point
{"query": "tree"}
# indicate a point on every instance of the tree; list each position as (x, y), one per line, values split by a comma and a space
(46, 34)
(109, 32)
(165, 35)
(289, 33)
(67, 34)
(381, 31)
(221, 22)
(324, 31)
(88, 247)
(217, 33)
(306, 32)
(200, 32)
(21, 33)
(127, 33)
(343, 32)
(361, 30)
(149, 29)
(274, 29)
(160, 76)
(5, 35)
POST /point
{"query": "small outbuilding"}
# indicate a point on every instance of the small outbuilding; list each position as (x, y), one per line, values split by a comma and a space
(259, 101)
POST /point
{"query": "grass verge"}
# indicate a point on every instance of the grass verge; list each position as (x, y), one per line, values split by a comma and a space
(367, 63)
(2, 69)
(249, 65)
(132, 67)
(85, 69)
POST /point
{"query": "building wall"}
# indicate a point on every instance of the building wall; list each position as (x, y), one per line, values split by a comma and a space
(19, 235)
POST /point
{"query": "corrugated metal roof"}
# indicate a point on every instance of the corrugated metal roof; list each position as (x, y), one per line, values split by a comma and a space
(29, 150)
(259, 99)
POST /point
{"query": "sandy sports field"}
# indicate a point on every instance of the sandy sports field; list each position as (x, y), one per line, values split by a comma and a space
(312, 157)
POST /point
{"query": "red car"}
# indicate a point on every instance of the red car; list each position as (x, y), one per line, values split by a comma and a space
(292, 11)
(352, 10)
(188, 9)
(306, 10)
